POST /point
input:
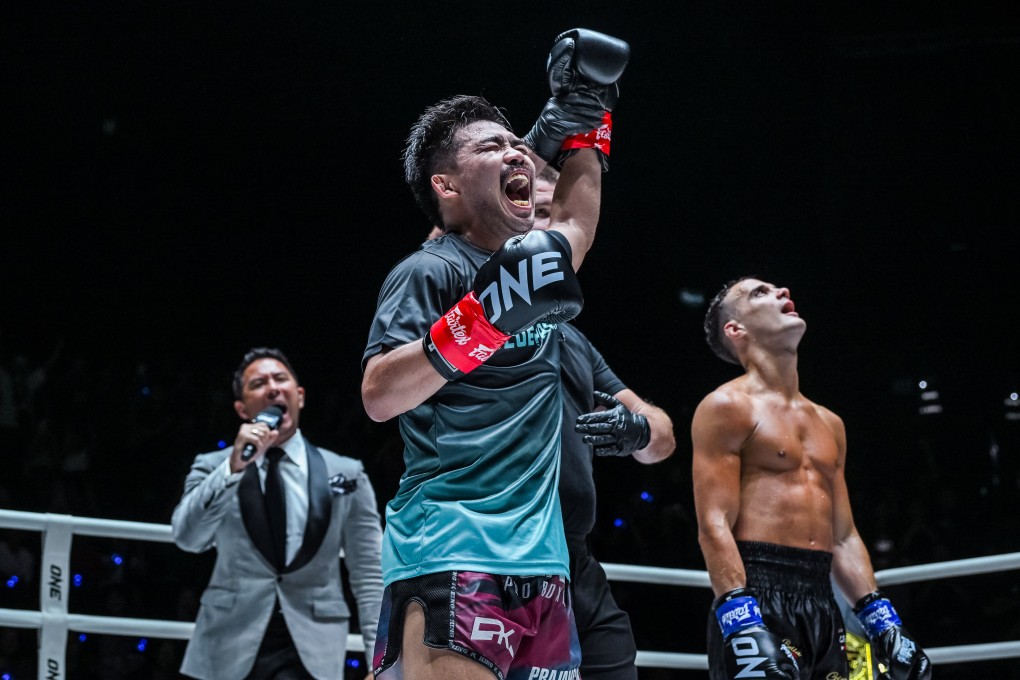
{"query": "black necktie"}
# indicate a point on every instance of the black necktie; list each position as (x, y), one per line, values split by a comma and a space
(276, 506)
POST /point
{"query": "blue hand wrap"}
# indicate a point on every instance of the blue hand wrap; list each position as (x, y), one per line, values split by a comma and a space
(878, 617)
(737, 614)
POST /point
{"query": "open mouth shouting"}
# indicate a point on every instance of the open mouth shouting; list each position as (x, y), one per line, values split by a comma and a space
(789, 309)
(517, 188)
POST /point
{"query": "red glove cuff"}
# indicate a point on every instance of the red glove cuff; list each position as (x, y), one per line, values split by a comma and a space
(463, 338)
(599, 138)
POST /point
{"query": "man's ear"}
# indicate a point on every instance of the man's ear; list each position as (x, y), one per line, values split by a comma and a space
(732, 329)
(241, 410)
(441, 185)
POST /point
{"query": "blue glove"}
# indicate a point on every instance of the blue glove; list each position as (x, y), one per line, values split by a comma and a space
(751, 650)
(901, 657)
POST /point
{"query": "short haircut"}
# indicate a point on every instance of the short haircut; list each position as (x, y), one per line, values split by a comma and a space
(715, 319)
(430, 149)
(251, 357)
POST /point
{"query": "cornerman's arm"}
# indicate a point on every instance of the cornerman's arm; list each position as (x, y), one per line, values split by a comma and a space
(662, 443)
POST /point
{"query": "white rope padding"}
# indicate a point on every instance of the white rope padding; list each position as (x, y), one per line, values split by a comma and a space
(661, 575)
(161, 533)
(967, 567)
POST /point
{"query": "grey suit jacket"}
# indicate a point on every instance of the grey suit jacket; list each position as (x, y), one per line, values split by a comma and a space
(236, 605)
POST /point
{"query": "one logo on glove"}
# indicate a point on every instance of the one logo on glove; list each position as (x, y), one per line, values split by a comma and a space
(544, 270)
(746, 651)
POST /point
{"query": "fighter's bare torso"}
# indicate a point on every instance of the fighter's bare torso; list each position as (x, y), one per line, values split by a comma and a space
(788, 467)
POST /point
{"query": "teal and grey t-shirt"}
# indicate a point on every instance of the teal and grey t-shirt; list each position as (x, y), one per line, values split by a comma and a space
(481, 456)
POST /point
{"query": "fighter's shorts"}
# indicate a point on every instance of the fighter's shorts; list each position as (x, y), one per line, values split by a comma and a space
(794, 590)
(519, 627)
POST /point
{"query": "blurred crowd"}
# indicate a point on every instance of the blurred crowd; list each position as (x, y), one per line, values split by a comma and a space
(96, 436)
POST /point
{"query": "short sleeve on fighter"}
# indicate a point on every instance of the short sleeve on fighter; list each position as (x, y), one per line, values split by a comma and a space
(420, 289)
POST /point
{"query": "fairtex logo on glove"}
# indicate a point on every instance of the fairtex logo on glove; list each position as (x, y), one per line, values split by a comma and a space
(458, 331)
(879, 616)
(481, 352)
(462, 336)
(737, 614)
(599, 138)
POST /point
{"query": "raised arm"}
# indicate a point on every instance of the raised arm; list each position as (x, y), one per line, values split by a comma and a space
(577, 201)
(574, 129)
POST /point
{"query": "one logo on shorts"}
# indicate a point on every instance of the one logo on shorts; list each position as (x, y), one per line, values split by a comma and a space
(492, 629)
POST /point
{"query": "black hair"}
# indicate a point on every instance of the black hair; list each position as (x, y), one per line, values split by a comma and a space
(714, 321)
(253, 355)
(430, 149)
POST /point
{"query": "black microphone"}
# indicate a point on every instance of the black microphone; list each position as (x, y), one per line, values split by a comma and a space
(271, 418)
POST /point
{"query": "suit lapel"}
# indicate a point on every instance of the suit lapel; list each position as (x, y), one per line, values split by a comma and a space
(253, 512)
(319, 509)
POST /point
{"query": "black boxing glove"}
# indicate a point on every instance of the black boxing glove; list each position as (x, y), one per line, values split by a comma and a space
(899, 657)
(572, 115)
(751, 650)
(617, 431)
(528, 280)
(582, 59)
(583, 69)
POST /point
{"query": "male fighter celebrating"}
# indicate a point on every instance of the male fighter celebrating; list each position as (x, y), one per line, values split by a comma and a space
(474, 556)
(774, 516)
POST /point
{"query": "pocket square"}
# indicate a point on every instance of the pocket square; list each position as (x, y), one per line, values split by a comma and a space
(340, 485)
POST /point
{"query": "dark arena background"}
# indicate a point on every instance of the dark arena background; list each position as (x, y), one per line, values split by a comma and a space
(184, 181)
